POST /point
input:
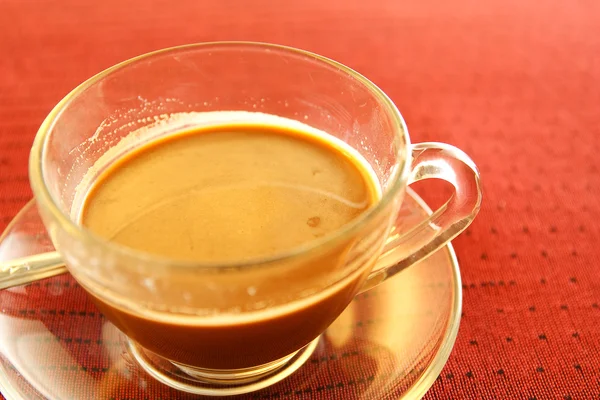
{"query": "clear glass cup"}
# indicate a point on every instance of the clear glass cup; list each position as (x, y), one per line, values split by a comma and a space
(229, 329)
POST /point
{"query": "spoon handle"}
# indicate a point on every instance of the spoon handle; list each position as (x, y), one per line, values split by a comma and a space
(25, 270)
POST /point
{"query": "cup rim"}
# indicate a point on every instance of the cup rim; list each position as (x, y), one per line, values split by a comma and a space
(46, 200)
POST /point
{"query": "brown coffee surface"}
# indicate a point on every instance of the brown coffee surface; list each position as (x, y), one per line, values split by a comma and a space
(228, 194)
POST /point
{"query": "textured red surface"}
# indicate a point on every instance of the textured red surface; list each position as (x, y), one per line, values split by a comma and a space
(514, 83)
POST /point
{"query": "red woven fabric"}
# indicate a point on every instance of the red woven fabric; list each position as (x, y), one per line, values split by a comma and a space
(514, 83)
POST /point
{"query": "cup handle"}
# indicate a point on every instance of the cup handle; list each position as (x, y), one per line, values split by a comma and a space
(431, 160)
(26, 252)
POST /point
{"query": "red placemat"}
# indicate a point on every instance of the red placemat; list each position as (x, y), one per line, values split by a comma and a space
(516, 84)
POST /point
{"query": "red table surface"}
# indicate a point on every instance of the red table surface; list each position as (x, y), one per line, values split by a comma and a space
(514, 83)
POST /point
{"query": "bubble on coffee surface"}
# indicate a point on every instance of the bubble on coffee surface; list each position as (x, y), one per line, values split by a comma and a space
(313, 221)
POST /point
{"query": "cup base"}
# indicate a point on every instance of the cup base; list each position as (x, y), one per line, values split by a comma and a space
(214, 382)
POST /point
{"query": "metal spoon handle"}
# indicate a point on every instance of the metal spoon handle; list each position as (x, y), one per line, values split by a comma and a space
(25, 270)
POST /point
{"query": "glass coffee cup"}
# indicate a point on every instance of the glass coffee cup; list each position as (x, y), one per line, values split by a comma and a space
(231, 328)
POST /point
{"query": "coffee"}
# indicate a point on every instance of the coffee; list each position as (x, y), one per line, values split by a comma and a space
(231, 193)
(227, 194)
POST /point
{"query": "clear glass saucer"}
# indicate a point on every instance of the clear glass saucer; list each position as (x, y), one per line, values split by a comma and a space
(390, 343)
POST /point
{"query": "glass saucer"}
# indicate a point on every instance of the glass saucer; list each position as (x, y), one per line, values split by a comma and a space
(391, 342)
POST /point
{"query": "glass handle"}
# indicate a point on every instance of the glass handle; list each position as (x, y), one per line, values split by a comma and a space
(405, 248)
(26, 252)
